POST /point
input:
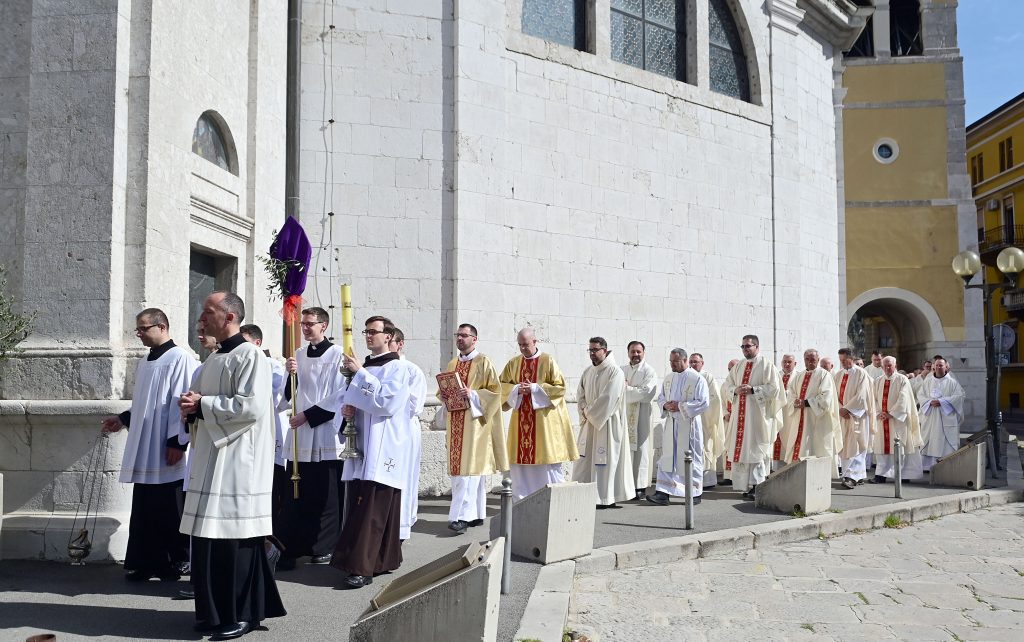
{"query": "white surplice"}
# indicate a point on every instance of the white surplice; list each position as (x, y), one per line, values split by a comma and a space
(320, 384)
(940, 425)
(683, 431)
(155, 418)
(605, 457)
(641, 388)
(410, 495)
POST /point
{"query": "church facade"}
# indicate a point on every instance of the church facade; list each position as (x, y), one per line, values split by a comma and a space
(663, 171)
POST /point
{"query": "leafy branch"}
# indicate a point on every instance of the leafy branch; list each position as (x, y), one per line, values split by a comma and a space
(14, 327)
(277, 271)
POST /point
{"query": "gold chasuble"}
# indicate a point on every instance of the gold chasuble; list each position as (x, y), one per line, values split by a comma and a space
(476, 445)
(538, 435)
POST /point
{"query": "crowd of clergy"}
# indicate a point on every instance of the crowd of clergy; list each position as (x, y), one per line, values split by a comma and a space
(213, 447)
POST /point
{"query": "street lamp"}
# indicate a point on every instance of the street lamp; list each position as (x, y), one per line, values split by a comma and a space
(1010, 263)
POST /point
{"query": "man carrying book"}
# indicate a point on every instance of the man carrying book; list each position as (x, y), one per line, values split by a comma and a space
(471, 393)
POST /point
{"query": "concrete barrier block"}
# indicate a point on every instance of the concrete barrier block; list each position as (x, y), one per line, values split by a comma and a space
(725, 541)
(472, 593)
(598, 561)
(775, 533)
(555, 523)
(46, 535)
(663, 551)
(964, 468)
(802, 487)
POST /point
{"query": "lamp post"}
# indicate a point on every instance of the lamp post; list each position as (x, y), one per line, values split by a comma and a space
(966, 264)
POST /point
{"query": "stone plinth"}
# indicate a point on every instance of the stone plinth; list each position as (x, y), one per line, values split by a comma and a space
(459, 606)
(801, 487)
(964, 468)
(555, 523)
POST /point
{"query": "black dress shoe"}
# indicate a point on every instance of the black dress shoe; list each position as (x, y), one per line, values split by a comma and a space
(458, 526)
(182, 568)
(725, 482)
(848, 483)
(878, 479)
(476, 522)
(607, 506)
(357, 581)
(659, 498)
(321, 559)
(696, 500)
(187, 594)
(286, 564)
(231, 631)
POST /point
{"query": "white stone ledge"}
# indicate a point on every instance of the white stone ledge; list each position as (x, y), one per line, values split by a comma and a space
(63, 408)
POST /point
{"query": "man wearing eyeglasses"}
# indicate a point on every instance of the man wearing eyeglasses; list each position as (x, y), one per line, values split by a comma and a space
(754, 388)
(310, 524)
(475, 438)
(378, 400)
(604, 446)
(153, 457)
(539, 432)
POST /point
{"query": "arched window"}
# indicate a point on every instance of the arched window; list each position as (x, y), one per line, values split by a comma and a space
(212, 141)
(651, 35)
(728, 62)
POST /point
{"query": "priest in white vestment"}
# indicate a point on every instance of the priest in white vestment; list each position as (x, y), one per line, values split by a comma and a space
(605, 456)
(754, 389)
(711, 423)
(378, 400)
(310, 524)
(641, 388)
(683, 398)
(228, 505)
(788, 369)
(811, 414)
(153, 454)
(897, 417)
(942, 411)
(856, 417)
(874, 369)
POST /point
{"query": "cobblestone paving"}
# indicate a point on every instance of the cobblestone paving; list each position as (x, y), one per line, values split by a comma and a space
(959, 577)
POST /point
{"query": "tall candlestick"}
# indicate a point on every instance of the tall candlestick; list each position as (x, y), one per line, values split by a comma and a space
(348, 343)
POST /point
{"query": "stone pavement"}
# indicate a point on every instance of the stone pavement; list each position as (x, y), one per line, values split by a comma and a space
(959, 577)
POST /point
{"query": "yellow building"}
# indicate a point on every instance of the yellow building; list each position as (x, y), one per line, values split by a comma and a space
(997, 177)
(907, 193)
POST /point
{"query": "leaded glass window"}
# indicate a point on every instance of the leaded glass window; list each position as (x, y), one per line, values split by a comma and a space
(561, 21)
(651, 35)
(210, 142)
(728, 62)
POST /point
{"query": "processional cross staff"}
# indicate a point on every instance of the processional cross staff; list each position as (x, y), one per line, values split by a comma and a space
(289, 266)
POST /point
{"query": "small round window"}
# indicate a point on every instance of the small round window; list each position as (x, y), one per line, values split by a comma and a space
(886, 151)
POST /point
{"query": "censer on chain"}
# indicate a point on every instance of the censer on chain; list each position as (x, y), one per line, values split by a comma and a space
(80, 544)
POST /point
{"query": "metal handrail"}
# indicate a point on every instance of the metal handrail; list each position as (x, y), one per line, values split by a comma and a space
(997, 238)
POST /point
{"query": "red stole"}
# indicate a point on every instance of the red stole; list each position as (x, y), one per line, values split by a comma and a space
(741, 420)
(458, 423)
(885, 422)
(526, 452)
(800, 428)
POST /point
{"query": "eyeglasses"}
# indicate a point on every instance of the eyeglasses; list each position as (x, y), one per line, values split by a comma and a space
(746, 346)
(462, 335)
(595, 350)
(310, 324)
(145, 328)
(370, 332)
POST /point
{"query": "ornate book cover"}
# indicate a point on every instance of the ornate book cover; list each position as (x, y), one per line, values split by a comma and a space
(448, 385)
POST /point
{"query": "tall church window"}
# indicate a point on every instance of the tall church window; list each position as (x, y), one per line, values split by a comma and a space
(905, 28)
(561, 21)
(651, 35)
(728, 62)
(210, 140)
(865, 45)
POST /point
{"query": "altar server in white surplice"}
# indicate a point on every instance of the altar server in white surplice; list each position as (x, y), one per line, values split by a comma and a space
(754, 389)
(153, 455)
(811, 427)
(684, 396)
(228, 505)
(417, 398)
(310, 524)
(604, 449)
(942, 410)
(897, 417)
(856, 417)
(711, 423)
(641, 388)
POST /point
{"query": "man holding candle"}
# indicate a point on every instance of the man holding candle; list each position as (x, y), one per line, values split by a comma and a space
(310, 524)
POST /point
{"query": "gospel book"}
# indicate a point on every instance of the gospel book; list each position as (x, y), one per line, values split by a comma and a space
(448, 386)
